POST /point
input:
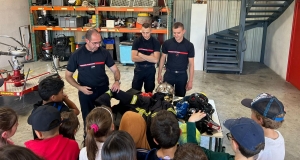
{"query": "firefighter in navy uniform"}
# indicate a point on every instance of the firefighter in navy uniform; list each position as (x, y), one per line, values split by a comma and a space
(180, 55)
(145, 53)
(92, 81)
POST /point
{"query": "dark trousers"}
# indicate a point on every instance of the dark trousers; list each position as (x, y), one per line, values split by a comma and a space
(144, 75)
(87, 102)
(177, 79)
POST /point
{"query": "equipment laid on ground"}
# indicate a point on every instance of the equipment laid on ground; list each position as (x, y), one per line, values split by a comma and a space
(17, 76)
(194, 103)
(11, 85)
(167, 90)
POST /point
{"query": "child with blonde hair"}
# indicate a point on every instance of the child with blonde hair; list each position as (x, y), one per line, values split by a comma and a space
(8, 125)
(99, 125)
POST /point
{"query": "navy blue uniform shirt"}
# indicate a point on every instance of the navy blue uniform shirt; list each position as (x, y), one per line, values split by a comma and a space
(91, 66)
(146, 47)
(178, 54)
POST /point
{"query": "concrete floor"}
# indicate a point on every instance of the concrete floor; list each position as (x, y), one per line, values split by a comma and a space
(227, 90)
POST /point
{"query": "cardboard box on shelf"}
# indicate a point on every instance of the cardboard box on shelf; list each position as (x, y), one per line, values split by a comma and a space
(110, 23)
(109, 46)
(79, 37)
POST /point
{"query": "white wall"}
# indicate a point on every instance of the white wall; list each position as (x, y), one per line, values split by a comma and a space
(14, 13)
(278, 42)
(197, 37)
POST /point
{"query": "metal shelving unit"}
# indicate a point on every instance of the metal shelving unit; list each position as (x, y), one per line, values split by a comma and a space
(97, 9)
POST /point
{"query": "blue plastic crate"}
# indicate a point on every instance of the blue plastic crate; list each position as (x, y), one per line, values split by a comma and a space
(109, 41)
(125, 54)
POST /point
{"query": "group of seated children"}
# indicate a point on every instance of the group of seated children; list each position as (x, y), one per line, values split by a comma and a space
(54, 122)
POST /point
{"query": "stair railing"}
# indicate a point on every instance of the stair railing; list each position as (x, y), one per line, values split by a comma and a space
(249, 4)
(241, 53)
(282, 10)
(241, 38)
(205, 49)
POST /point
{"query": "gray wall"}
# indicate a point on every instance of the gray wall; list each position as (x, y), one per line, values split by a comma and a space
(13, 15)
(278, 42)
(182, 13)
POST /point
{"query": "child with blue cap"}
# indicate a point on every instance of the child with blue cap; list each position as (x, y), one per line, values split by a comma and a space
(246, 137)
(269, 112)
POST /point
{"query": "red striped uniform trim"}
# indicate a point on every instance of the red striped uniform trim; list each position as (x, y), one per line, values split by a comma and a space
(144, 49)
(178, 52)
(91, 64)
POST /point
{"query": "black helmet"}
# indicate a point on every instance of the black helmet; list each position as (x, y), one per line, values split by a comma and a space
(199, 101)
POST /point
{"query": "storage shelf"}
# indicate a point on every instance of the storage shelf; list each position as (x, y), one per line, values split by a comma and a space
(129, 9)
(131, 30)
(80, 8)
(97, 9)
(102, 29)
(62, 8)
(57, 28)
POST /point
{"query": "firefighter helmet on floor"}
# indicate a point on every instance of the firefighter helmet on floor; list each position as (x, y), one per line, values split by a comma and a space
(167, 89)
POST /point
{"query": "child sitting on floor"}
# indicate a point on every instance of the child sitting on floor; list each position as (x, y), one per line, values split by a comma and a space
(165, 132)
(99, 125)
(119, 146)
(70, 126)
(45, 121)
(51, 92)
(8, 125)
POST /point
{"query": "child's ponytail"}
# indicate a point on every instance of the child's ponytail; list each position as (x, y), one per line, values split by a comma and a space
(99, 124)
(90, 142)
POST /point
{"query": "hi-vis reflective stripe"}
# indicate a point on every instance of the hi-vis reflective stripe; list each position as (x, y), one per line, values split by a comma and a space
(91, 64)
(134, 99)
(109, 93)
(171, 110)
(154, 114)
(141, 111)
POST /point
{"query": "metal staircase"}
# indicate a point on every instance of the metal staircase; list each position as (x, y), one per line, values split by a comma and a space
(224, 50)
